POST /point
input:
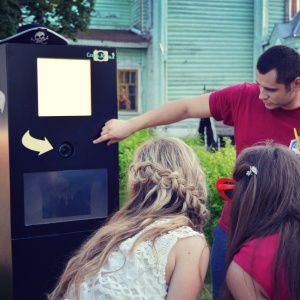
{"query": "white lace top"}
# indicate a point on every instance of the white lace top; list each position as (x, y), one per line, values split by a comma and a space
(139, 276)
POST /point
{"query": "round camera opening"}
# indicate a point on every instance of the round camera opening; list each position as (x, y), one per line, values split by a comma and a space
(66, 149)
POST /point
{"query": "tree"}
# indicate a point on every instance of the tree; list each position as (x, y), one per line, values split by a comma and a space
(10, 17)
(65, 17)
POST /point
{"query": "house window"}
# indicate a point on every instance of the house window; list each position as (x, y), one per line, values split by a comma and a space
(127, 90)
(294, 7)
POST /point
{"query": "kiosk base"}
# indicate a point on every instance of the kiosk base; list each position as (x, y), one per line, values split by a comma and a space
(39, 261)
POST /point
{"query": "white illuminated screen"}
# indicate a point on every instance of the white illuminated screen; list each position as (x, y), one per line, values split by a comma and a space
(64, 87)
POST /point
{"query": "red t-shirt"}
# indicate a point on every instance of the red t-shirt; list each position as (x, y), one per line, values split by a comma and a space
(239, 106)
(257, 259)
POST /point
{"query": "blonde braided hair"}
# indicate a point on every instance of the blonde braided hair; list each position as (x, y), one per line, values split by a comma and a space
(170, 180)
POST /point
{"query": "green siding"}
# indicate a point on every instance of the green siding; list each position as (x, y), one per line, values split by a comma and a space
(276, 13)
(110, 14)
(122, 14)
(141, 14)
(210, 43)
(131, 57)
(136, 14)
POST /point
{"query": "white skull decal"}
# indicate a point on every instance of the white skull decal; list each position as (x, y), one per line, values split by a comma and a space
(40, 38)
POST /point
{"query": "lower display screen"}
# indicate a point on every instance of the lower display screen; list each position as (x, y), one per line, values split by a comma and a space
(62, 196)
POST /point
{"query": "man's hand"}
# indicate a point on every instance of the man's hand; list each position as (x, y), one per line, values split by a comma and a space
(115, 131)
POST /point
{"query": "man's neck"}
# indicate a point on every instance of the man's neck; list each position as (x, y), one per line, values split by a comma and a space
(294, 103)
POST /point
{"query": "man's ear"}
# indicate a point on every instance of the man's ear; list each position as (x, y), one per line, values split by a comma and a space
(296, 85)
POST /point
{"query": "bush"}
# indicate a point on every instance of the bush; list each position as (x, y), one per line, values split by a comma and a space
(215, 164)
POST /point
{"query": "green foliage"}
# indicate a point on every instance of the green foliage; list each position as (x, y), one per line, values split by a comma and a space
(215, 164)
(10, 17)
(64, 17)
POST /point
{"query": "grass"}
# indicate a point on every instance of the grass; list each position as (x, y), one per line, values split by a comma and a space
(206, 292)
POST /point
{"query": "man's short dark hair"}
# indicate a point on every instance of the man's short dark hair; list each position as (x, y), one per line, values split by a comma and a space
(285, 60)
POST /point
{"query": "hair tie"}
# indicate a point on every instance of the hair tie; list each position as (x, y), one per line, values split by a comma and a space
(252, 170)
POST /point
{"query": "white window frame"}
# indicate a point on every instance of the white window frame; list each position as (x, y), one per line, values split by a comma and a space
(291, 13)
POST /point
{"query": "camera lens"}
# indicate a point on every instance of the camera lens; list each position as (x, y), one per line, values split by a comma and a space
(66, 149)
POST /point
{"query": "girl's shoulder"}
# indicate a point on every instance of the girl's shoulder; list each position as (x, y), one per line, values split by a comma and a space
(185, 231)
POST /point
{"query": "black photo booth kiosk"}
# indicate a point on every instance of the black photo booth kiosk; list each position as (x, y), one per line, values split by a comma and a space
(56, 186)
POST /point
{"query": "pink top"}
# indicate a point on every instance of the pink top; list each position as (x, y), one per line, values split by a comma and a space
(257, 259)
(240, 107)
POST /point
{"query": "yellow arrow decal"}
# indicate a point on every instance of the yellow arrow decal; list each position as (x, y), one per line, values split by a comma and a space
(34, 144)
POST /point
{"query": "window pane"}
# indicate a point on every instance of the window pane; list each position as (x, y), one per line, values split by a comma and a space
(133, 77)
(123, 98)
(127, 77)
(132, 101)
(131, 89)
(121, 77)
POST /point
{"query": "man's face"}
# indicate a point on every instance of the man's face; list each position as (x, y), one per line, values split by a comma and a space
(273, 94)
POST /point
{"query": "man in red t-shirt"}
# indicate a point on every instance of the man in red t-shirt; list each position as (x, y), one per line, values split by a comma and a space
(266, 110)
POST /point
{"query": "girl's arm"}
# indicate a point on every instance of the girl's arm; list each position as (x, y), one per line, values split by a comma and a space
(186, 268)
(242, 286)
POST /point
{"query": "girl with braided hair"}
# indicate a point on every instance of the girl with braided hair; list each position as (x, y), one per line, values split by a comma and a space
(264, 248)
(153, 247)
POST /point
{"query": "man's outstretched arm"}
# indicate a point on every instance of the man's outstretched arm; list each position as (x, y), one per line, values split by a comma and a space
(194, 107)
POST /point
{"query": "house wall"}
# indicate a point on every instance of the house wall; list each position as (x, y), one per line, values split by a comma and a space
(283, 31)
(209, 46)
(141, 13)
(276, 14)
(122, 15)
(135, 59)
(130, 15)
(212, 44)
(111, 15)
(195, 45)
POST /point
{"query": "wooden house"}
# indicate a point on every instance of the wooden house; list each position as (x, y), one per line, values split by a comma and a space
(170, 49)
